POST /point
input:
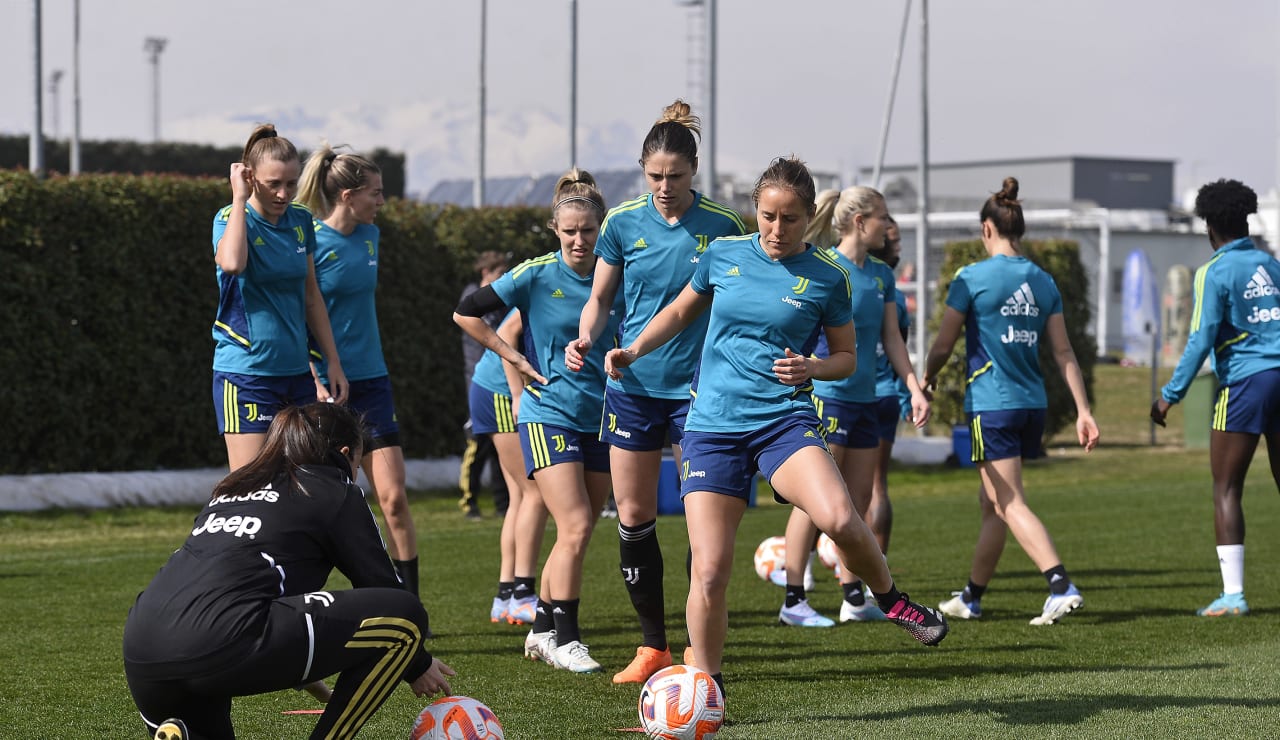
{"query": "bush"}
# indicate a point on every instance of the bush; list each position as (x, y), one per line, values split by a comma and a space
(106, 350)
(1061, 259)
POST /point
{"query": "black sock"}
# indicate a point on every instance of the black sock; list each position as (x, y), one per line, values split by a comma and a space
(542, 619)
(973, 592)
(523, 588)
(719, 679)
(1058, 580)
(640, 559)
(853, 593)
(795, 595)
(887, 599)
(408, 570)
(505, 589)
(565, 614)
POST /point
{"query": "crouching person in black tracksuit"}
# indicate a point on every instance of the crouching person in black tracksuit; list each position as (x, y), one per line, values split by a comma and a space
(240, 609)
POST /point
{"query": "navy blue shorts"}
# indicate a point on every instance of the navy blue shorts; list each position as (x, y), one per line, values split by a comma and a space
(545, 445)
(1249, 406)
(853, 425)
(246, 404)
(371, 401)
(888, 413)
(641, 423)
(490, 411)
(999, 435)
(726, 462)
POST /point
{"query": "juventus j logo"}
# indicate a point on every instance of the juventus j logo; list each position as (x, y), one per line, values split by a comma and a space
(801, 286)
(559, 440)
(251, 412)
(631, 575)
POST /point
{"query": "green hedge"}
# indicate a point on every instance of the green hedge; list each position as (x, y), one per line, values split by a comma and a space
(1061, 259)
(169, 157)
(109, 296)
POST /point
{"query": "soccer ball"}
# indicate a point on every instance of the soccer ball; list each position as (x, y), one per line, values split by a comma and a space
(456, 718)
(827, 552)
(771, 556)
(681, 702)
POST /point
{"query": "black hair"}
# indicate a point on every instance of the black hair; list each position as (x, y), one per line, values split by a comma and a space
(1225, 206)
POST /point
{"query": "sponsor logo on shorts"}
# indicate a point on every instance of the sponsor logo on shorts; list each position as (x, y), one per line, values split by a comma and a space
(1261, 285)
(1021, 303)
(234, 525)
(1020, 336)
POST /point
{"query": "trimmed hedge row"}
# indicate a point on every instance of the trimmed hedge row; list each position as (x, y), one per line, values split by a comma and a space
(1061, 259)
(168, 157)
(109, 297)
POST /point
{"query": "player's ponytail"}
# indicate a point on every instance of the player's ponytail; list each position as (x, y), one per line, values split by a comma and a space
(577, 189)
(314, 434)
(1004, 211)
(264, 143)
(676, 132)
(327, 174)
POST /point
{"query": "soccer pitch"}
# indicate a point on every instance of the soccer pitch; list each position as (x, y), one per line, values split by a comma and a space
(1132, 523)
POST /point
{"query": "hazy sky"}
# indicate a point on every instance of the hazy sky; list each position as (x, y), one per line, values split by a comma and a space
(1186, 80)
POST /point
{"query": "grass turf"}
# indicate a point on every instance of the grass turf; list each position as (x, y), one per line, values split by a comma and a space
(1132, 523)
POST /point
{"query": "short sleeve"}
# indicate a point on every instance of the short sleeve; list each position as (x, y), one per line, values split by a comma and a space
(958, 296)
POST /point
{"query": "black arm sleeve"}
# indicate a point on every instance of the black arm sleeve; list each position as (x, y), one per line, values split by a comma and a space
(480, 302)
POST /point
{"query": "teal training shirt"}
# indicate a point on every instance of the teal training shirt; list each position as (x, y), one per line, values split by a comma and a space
(1236, 317)
(657, 260)
(873, 287)
(888, 384)
(261, 325)
(347, 271)
(760, 307)
(1006, 302)
(550, 296)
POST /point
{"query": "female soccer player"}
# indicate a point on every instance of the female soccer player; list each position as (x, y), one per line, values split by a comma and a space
(1005, 304)
(268, 298)
(344, 193)
(494, 403)
(239, 609)
(893, 399)
(651, 245)
(560, 412)
(847, 407)
(1237, 317)
(769, 294)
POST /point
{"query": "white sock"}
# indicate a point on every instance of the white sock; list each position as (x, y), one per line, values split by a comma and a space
(1231, 562)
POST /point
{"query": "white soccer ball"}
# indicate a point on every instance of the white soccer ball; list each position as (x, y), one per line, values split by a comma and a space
(827, 552)
(681, 702)
(456, 718)
(771, 557)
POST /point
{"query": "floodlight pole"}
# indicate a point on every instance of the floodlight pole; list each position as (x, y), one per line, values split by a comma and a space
(154, 45)
(893, 91)
(75, 90)
(922, 195)
(477, 192)
(36, 150)
(55, 77)
(573, 83)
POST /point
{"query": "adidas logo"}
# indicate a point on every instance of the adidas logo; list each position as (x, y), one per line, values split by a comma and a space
(641, 244)
(734, 272)
(557, 293)
(1021, 303)
(258, 242)
(1261, 285)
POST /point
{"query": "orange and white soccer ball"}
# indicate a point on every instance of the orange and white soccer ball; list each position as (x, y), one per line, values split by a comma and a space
(681, 702)
(827, 552)
(771, 556)
(456, 718)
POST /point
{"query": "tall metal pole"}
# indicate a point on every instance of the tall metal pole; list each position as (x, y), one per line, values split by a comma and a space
(35, 154)
(477, 196)
(573, 83)
(922, 194)
(75, 90)
(154, 45)
(893, 91)
(710, 127)
(55, 78)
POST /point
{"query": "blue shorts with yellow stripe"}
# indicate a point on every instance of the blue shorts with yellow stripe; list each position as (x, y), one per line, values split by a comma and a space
(852, 425)
(246, 404)
(490, 411)
(1250, 405)
(642, 423)
(726, 462)
(999, 435)
(545, 445)
(372, 402)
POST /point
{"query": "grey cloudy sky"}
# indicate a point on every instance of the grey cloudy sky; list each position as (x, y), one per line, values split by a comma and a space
(1186, 80)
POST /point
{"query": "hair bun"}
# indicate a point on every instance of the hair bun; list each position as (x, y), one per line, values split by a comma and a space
(1009, 190)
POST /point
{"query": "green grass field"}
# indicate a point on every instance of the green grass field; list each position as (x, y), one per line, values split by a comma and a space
(1132, 523)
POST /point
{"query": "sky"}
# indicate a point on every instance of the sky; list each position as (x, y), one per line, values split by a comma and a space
(1180, 80)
